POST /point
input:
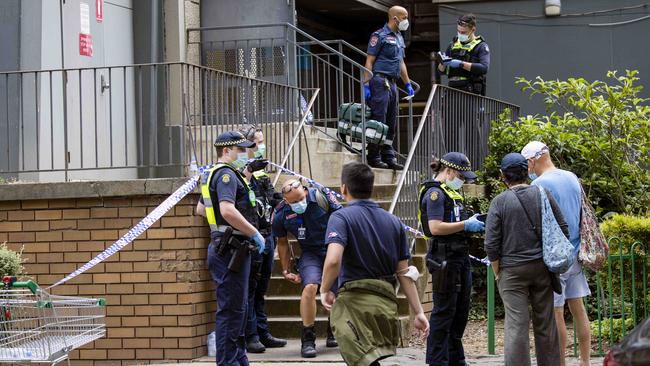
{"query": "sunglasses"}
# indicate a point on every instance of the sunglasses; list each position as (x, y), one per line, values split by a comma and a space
(291, 186)
(252, 130)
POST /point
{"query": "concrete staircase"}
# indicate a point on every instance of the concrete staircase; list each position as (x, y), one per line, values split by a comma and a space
(327, 160)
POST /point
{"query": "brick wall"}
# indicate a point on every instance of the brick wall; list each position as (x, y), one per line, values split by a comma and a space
(160, 298)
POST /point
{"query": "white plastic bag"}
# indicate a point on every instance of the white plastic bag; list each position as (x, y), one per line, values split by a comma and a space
(212, 344)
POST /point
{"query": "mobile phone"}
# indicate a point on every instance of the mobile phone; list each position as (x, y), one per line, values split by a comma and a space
(481, 217)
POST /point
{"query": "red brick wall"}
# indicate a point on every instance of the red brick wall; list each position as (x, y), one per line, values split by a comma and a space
(160, 298)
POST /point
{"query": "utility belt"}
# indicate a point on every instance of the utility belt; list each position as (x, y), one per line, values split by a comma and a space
(236, 243)
(390, 78)
(443, 278)
(466, 84)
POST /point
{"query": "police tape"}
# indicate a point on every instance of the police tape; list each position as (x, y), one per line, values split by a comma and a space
(326, 190)
(137, 230)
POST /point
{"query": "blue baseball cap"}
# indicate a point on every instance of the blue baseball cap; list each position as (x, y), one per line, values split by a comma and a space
(233, 138)
(514, 160)
(460, 162)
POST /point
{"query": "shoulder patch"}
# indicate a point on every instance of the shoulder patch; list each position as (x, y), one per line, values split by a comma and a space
(225, 178)
(291, 216)
(373, 40)
(434, 196)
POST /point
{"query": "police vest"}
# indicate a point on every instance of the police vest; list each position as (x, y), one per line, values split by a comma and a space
(465, 52)
(451, 201)
(244, 203)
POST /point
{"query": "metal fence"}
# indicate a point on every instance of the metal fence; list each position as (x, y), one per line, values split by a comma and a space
(285, 54)
(452, 120)
(135, 121)
(619, 297)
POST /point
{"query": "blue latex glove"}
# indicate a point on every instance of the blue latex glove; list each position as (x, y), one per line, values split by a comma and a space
(474, 225)
(409, 89)
(366, 91)
(259, 242)
(454, 64)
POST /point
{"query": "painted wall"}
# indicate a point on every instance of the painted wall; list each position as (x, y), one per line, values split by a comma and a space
(554, 48)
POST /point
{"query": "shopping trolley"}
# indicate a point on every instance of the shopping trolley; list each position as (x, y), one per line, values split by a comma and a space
(36, 327)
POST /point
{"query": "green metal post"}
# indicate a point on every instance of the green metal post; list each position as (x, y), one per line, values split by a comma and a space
(490, 309)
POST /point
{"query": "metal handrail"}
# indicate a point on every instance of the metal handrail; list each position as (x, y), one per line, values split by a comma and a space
(301, 125)
(409, 158)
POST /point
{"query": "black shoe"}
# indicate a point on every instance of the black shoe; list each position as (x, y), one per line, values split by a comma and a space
(255, 346)
(378, 164)
(393, 164)
(331, 341)
(271, 342)
(308, 347)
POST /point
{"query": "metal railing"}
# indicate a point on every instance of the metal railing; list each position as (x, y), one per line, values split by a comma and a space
(452, 120)
(136, 121)
(285, 54)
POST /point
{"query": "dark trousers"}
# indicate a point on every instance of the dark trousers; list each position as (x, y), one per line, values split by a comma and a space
(449, 316)
(383, 105)
(231, 308)
(257, 325)
(519, 287)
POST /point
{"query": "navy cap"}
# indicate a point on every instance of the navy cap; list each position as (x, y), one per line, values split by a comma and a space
(233, 138)
(460, 162)
(514, 160)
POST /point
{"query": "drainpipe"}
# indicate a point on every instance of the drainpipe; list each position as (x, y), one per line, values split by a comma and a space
(153, 92)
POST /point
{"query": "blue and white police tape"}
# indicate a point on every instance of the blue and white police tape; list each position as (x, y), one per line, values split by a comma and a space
(137, 230)
(326, 190)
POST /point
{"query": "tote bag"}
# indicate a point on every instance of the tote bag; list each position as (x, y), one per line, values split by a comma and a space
(593, 246)
(556, 248)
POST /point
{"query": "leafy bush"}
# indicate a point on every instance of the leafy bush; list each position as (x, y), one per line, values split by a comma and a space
(598, 130)
(11, 263)
(616, 328)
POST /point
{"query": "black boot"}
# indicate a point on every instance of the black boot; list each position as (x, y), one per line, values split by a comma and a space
(308, 348)
(255, 346)
(331, 341)
(270, 341)
(373, 157)
(393, 164)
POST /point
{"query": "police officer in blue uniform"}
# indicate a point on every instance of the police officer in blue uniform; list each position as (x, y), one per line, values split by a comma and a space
(304, 213)
(386, 60)
(469, 58)
(228, 203)
(445, 221)
(258, 335)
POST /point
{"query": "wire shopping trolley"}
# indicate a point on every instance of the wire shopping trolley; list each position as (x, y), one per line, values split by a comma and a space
(36, 327)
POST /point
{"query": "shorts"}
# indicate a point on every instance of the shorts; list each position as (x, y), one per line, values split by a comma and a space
(574, 285)
(310, 266)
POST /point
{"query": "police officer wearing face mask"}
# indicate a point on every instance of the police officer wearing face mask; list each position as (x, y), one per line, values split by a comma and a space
(304, 213)
(229, 204)
(469, 59)
(445, 221)
(258, 336)
(386, 61)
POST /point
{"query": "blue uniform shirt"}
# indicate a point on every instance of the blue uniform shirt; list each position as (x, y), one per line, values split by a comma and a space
(388, 47)
(435, 203)
(313, 221)
(374, 241)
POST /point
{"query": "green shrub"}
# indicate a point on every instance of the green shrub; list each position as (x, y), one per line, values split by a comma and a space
(11, 263)
(616, 328)
(598, 130)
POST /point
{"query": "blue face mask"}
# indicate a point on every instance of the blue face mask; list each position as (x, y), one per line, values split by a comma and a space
(261, 149)
(299, 207)
(532, 176)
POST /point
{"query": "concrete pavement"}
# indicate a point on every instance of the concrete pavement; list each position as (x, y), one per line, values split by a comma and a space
(331, 357)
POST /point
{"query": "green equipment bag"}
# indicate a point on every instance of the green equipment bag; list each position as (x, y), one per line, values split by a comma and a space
(375, 131)
(351, 112)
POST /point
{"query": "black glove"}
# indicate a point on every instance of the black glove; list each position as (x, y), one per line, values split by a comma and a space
(257, 164)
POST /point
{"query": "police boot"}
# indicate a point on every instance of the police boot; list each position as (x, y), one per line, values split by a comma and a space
(270, 341)
(393, 164)
(373, 157)
(331, 341)
(308, 348)
(255, 346)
